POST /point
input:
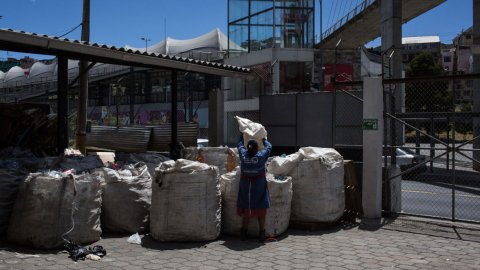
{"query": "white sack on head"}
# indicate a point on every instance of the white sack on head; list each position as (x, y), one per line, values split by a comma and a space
(278, 215)
(282, 166)
(318, 186)
(251, 130)
(185, 202)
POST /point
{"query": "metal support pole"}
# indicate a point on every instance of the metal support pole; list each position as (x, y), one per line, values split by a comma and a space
(454, 151)
(62, 141)
(417, 137)
(334, 105)
(83, 85)
(448, 141)
(432, 144)
(274, 24)
(132, 97)
(190, 93)
(148, 88)
(174, 110)
(322, 83)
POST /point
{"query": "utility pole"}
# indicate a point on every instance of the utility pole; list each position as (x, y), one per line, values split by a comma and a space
(83, 85)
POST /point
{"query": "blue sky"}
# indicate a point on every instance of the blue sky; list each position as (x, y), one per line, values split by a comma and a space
(124, 22)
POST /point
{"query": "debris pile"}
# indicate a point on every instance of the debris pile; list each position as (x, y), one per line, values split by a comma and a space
(28, 128)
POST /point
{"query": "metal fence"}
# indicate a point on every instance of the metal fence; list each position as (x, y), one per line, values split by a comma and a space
(433, 143)
(348, 122)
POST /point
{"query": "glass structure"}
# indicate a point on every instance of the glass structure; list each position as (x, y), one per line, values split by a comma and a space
(251, 24)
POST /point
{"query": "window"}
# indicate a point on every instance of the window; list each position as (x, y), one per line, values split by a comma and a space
(434, 45)
(469, 83)
(426, 46)
(466, 93)
(404, 47)
(435, 55)
(418, 46)
(404, 57)
(410, 46)
(447, 59)
(468, 36)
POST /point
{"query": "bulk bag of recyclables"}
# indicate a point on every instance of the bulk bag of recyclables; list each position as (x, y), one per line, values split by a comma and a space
(186, 203)
(278, 215)
(318, 186)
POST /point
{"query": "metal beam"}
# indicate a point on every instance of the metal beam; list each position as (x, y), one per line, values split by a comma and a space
(174, 111)
(62, 140)
(82, 73)
(77, 50)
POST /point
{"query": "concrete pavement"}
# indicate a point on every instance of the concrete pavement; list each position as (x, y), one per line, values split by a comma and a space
(402, 243)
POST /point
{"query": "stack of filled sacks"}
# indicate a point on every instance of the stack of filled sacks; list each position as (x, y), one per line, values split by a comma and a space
(186, 204)
(151, 160)
(226, 159)
(49, 210)
(278, 215)
(126, 197)
(317, 176)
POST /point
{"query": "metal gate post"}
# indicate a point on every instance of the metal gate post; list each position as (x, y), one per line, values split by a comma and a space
(432, 144)
(453, 151)
(372, 149)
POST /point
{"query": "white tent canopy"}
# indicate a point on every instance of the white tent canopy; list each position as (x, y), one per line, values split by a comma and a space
(214, 44)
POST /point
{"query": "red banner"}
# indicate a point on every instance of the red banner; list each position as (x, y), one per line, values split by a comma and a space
(343, 71)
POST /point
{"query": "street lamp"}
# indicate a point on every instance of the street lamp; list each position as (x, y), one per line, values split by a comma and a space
(146, 41)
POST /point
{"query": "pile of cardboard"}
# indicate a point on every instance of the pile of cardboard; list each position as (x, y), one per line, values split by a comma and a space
(29, 126)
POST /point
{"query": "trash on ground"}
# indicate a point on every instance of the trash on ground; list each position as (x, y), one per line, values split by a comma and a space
(135, 239)
(77, 252)
(93, 257)
(73, 153)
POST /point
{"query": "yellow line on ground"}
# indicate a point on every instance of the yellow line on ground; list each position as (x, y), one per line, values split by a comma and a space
(426, 192)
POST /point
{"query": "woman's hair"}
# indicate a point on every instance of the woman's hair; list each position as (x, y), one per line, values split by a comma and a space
(252, 147)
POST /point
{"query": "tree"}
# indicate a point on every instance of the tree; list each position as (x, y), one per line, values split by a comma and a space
(465, 127)
(427, 97)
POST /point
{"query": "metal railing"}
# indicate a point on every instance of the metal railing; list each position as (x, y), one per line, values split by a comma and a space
(357, 10)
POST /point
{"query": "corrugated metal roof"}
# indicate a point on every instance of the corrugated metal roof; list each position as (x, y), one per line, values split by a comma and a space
(418, 40)
(21, 41)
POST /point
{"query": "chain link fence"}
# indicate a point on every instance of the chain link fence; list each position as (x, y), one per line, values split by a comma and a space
(432, 143)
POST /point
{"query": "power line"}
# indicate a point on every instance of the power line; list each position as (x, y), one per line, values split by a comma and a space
(71, 31)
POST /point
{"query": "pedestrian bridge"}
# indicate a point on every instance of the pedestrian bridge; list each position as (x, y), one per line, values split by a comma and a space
(364, 23)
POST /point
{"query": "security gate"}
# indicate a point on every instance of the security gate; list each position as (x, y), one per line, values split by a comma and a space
(431, 148)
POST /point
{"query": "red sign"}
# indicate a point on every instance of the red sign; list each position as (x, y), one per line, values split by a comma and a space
(344, 73)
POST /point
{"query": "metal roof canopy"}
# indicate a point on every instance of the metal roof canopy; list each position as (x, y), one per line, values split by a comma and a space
(19, 41)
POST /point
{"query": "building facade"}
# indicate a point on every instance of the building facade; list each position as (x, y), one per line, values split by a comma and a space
(413, 46)
(275, 39)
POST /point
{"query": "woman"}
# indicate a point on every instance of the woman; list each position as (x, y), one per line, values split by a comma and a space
(253, 197)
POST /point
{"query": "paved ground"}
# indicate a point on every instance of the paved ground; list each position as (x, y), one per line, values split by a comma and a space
(404, 243)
